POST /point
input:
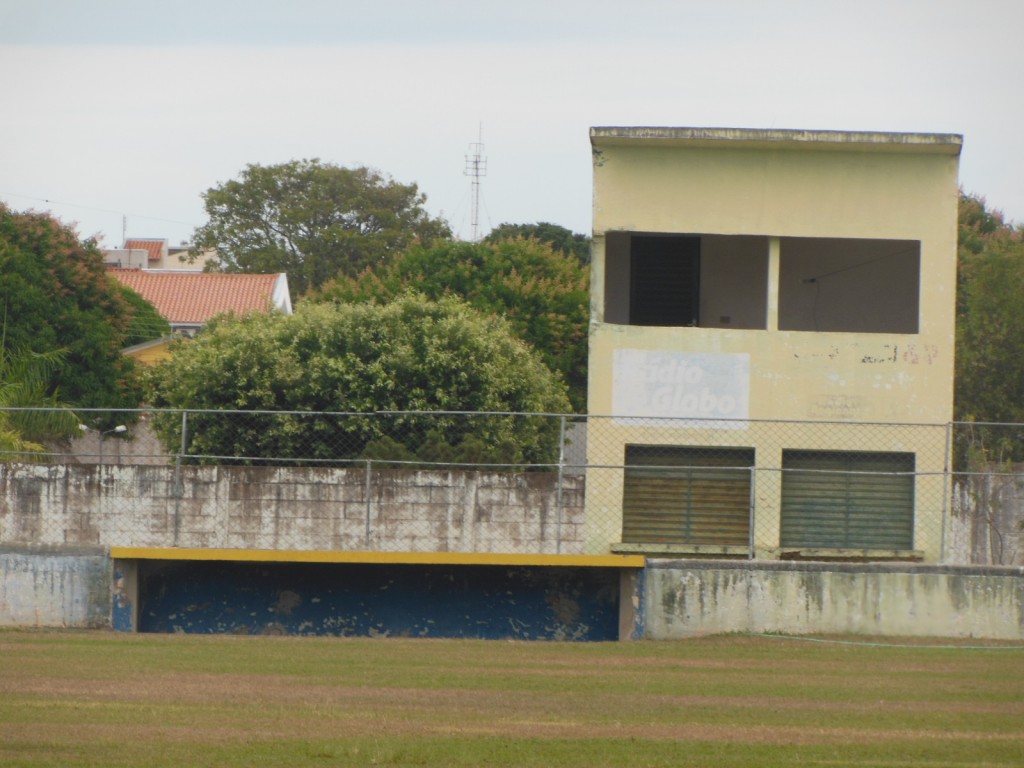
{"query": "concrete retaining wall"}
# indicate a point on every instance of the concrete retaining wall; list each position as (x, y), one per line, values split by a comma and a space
(987, 522)
(685, 598)
(47, 587)
(291, 508)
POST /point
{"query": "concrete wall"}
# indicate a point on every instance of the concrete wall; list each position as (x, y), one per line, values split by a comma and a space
(988, 519)
(685, 598)
(290, 508)
(54, 587)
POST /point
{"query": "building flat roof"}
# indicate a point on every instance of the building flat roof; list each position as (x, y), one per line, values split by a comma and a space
(939, 143)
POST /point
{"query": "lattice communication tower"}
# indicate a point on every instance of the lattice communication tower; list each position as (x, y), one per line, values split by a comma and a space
(476, 169)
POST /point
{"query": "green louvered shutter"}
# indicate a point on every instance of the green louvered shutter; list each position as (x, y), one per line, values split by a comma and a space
(847, 500)
(683, 495)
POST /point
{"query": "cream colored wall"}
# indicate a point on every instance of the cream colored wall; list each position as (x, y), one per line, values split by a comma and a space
(878, 192)
(152, 355)
(852, 194)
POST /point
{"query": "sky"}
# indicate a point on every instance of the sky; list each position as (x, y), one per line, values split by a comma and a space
(116, 115)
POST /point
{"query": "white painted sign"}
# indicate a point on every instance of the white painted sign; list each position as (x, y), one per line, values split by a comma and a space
(681, 385)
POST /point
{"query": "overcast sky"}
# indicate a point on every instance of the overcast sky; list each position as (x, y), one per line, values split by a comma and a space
(133, 108)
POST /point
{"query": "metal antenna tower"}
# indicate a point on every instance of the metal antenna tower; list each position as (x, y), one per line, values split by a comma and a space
(476, 168)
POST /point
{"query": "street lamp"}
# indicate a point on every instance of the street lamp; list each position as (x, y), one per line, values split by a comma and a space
(102, 434)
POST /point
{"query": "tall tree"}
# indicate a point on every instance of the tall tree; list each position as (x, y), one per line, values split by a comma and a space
(312, 220)
(989, 382)
(558, 237)
(56, 294)
(542, 293)
(408, 356)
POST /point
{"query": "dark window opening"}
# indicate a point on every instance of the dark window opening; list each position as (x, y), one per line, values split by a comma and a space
(664, 281)
(679, 280)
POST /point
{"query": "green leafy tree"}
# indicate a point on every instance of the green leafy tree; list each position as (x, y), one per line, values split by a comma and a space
(56, 294)
(410, 355)
(25, 384)
(312, 220)
(989, 382)
(146, 323)
(543, 294)
(558, 237)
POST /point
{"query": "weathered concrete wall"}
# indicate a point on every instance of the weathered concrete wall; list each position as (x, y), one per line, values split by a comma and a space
(987, 521)
(683, 598)
(291, 508)
(49, 587)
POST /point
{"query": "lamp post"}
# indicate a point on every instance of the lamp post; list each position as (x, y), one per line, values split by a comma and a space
(101, 434)
(118, 429)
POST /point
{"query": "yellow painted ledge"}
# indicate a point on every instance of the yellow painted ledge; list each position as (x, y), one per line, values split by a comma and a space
(394, 558)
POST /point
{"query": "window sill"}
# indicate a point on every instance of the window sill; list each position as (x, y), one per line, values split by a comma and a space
(851, 555)
(663, 549)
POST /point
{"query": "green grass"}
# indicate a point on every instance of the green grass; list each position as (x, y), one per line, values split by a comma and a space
(101, 699)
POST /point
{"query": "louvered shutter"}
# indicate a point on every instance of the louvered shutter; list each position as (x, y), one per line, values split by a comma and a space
(682, 495)
(847, 500)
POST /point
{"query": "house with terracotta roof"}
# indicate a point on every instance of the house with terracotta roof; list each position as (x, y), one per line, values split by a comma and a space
(153, 253)
(189, 299)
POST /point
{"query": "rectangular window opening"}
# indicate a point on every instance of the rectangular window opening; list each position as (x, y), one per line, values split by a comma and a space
(680, 280)
(849, 285)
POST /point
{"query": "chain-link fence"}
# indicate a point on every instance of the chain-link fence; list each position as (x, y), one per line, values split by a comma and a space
(522, 483)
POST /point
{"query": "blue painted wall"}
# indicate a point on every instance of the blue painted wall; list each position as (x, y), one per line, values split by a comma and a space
(493, 602)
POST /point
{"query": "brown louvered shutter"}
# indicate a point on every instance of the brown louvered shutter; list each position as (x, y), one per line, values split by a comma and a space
(684, 495)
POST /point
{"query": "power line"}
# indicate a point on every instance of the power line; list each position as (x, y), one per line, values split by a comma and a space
(49, 201)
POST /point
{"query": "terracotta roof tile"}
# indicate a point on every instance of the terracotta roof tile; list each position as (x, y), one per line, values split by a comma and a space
(192, 298)
(155, 248)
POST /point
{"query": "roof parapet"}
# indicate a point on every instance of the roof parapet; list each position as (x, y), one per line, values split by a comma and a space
(941, 143)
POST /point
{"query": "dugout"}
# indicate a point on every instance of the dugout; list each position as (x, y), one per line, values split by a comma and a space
(440, 595)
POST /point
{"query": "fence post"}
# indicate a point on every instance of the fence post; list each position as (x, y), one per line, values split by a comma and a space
(558, 490)
(178, 485)
(369, 502)
(753, 516)
(947, 486)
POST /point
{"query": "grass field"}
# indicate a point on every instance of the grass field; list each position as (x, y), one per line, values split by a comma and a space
(102, 699)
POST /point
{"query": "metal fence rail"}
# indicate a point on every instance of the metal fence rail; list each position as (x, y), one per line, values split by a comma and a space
(524, 483)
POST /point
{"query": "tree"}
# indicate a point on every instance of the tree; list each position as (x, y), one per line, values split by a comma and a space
(312, 220)
(989, 381)
(408, 356)
(56, 294)
(25, 384)
(146, 323)
(558, 237)
(543, 294)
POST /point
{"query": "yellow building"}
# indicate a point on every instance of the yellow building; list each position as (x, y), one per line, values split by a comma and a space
(771, 347)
